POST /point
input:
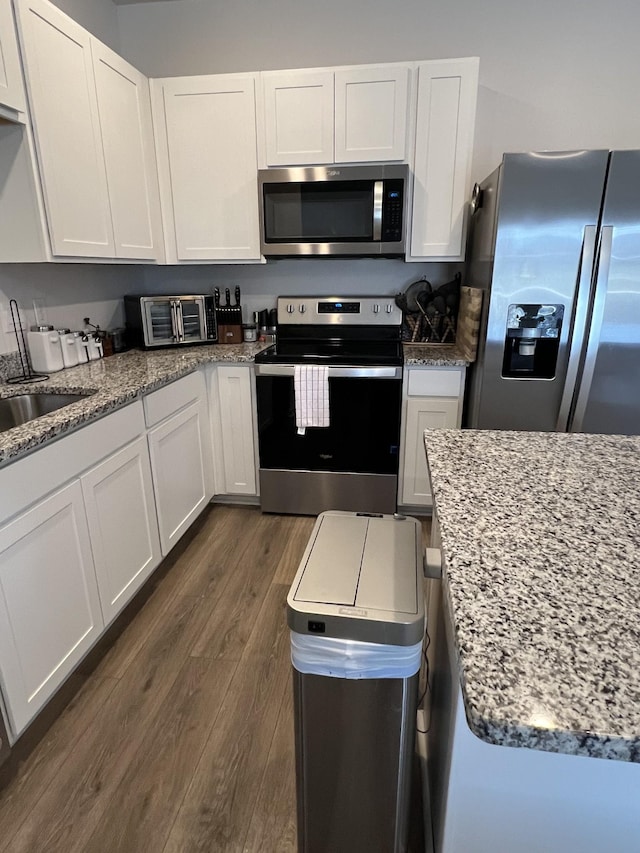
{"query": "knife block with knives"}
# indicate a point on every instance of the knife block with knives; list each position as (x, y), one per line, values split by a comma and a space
(229, 317)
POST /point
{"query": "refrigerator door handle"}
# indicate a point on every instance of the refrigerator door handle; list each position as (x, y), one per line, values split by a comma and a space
(593, 340)
(578, 329)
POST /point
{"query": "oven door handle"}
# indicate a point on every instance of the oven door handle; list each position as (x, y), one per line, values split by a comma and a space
(334, 372)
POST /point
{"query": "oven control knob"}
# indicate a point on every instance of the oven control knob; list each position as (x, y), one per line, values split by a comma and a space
(389, 308)
(376, 309)
(302, 309)
(290, 308)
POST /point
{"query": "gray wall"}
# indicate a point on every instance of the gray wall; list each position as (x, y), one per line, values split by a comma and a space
(97, 16)
(553, 75)
(68, 292)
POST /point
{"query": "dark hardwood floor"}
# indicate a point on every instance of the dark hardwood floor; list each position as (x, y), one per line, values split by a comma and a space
(178, 735)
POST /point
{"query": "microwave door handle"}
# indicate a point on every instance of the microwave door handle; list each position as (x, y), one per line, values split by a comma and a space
(378, 195)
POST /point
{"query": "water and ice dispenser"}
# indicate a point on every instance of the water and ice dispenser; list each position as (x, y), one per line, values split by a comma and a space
(532, 341)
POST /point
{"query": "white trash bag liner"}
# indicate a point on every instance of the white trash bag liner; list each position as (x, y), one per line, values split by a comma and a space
(316, 655)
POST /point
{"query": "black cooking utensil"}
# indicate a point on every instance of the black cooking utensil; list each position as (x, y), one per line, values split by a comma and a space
(415, 290)
(227, 296)
(237, 295)
(216, 297)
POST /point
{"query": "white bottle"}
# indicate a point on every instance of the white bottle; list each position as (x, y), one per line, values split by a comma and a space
(45, 349)
(95, 347)
(81, 348)
(69, 351)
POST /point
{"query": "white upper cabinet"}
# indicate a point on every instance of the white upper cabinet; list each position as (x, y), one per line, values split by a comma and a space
(445, 121)
(207, 160)
(124, 108)
(93, 132)
(298, 117)
(371, 113)
(12, 97)
(67, 130)
(347, 115)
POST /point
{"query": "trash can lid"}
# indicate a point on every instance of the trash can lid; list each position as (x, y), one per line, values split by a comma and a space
(361, 579)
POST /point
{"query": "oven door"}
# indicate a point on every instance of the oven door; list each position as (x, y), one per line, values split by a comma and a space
(352, 464)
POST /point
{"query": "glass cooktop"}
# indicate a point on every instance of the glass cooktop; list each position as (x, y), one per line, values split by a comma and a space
(343, 352)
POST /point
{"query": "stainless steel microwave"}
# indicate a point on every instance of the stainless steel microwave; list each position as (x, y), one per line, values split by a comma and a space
(333, 210)
(161, 321)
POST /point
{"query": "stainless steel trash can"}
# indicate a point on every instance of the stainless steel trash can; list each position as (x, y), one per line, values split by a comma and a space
(356, 614)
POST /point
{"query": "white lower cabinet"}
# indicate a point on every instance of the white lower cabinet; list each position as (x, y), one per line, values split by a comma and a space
(49, 604)
(89, 519)
(121, 513)
(180, 455)
(443, 410)
(232, 405)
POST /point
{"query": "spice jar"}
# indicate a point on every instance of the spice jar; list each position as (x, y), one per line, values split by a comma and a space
(249, 333)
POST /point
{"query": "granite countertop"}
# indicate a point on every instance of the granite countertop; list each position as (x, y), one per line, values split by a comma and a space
(116, 380)
(541, 580)
(434, 355)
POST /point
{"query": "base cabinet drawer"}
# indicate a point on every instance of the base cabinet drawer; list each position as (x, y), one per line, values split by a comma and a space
(49, 604)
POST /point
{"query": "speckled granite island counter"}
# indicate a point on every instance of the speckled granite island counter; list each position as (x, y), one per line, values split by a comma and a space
(539, 644)
(112, 382)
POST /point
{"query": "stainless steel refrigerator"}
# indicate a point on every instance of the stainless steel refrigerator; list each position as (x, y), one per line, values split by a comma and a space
(554, 241)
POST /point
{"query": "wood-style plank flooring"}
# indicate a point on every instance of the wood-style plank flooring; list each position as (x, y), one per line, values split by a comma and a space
(178, 736)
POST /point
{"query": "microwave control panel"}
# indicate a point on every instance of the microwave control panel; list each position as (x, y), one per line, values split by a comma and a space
(392, 210)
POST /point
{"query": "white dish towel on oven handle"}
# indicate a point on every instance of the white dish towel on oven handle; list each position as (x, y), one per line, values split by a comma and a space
(311, 389)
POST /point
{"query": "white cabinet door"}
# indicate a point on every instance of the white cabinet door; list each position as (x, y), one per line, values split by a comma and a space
(235, 407)
(179, 465)
(445, 122)
(11, 84)
(371, 113)
(59, 71)
(423, 413)
(121, 513)
(49, 605)
(298, 117)
(207, 158)
(124, 108)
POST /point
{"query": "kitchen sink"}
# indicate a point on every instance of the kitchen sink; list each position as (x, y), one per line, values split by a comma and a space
(26, 407)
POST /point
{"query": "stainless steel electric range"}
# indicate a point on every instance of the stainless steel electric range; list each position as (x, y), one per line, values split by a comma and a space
(350, 463)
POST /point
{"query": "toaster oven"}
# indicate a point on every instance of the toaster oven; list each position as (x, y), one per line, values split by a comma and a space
(164, 321)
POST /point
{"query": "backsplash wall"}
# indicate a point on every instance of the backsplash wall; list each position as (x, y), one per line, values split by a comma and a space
(74, 291)
(70, 293)
(261, 284)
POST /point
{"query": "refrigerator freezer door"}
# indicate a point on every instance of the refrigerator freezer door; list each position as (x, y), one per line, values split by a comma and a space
(609, 395)
(544, 203)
